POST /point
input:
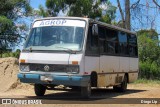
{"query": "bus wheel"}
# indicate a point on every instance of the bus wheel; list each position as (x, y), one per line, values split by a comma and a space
(39, 89)
(122, 87)
(86, 91)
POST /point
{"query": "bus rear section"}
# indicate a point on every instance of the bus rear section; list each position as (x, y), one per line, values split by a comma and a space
(111, 56)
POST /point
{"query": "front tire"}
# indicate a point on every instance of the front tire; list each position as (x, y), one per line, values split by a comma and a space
(122, 87)
(39, 89)
(86, 91)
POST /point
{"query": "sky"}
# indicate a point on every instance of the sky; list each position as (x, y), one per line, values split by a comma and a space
(35, 3)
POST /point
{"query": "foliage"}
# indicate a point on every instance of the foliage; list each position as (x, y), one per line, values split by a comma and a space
(11, 10)
(152, 34)
(149, 54)
(10, 54)
(148, 43)
(148, 82)
(95, 9)
(42, 11)
(149, 70)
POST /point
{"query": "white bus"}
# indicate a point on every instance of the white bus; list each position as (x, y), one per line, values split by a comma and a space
(78, 52)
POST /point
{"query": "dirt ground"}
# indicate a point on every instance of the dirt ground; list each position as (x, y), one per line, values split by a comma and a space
(134, 91)
(99, 96)
(10, 87)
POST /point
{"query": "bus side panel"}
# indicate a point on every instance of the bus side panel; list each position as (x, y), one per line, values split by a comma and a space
(106, 80)
(91, 64)
(123, 67)
(133, 75)
(108, 66)
(124, 64)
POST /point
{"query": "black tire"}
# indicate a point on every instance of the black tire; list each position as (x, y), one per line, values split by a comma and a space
(122, 87)
(39, 89)
(86, 91)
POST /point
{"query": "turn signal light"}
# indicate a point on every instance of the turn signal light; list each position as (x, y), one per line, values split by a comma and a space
(22, 61)
(75, 62)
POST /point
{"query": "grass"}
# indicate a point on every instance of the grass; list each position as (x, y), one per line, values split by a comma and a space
(145, 81)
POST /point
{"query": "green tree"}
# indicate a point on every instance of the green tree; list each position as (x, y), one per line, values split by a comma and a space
(149, 54)
(10, 12)
(80, 8)
(148, 42)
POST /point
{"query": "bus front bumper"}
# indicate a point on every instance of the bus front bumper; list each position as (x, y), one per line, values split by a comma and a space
(68, 80)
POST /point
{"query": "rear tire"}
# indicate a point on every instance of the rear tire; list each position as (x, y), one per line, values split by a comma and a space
(39, 89)
(86, 91)
(122, 87)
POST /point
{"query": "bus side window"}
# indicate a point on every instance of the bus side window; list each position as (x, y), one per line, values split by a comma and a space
(92, 48)
(35, 37)
(38, 37)
(123, 44)
(102, 39)
(112, 42)
(133, 51)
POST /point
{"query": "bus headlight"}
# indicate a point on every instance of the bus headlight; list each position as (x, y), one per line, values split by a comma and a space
(73, 69)
(24, 68)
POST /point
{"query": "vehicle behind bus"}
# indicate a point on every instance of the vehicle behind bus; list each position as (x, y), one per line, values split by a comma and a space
(78, 53)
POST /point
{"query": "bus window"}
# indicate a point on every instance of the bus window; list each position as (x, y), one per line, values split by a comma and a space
(123, 45)
(112, 42)
(133, 51)
(92, 47)
(36, 34)
(78, 38)
(102, 38)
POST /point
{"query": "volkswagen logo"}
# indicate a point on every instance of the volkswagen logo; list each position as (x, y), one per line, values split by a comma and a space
(46, 68)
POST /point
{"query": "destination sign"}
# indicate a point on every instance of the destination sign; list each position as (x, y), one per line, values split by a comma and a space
(63, 22)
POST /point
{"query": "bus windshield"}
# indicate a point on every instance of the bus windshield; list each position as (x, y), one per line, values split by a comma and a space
(53, 35)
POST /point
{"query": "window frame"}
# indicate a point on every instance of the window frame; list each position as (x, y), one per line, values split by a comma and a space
(123, 54)
(90, 36)
(135, 46)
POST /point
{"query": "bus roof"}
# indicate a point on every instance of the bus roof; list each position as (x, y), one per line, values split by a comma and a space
(112, 26)
(91, 21)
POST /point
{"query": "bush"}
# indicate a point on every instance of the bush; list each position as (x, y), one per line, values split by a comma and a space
(149, 70)
(11, 54)
(17, 53)
(5, 55)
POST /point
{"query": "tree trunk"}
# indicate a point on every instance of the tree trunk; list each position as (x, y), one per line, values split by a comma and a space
(127, 15)
(121, 12)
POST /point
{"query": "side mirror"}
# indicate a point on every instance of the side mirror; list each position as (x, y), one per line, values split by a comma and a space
(95, 30)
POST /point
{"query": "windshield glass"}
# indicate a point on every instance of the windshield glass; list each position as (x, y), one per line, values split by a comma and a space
(56, 35)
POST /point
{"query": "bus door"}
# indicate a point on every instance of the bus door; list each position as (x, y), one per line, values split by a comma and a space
(92, 52)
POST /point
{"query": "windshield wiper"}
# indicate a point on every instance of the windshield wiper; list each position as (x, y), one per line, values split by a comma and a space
(68, 50)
